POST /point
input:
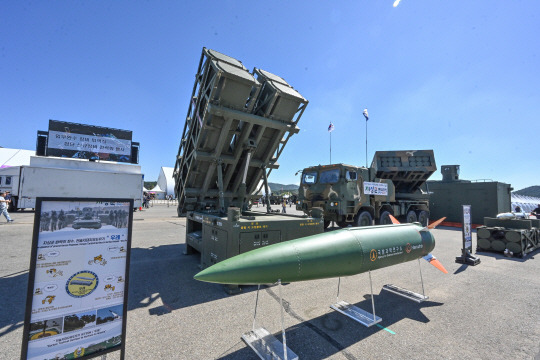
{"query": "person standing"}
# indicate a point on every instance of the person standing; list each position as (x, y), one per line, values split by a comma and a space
(4, 206)
(536, 212)
(61, 220)
(284, 205)
(54, 220)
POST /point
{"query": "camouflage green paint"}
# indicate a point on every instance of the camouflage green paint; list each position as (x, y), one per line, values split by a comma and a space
(218, 238)
(342, 198)
(338, 253)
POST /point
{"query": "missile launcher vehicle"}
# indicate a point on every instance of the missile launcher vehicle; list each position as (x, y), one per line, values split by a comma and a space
(237, 126)
(351, 195)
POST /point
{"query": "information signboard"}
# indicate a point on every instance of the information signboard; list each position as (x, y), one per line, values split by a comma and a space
(88, 142)
(76, 303)
(467, 231)
(375, 188)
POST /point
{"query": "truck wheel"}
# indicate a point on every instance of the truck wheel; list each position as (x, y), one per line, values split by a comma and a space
(411, 217)
(326, 224)
(364, 219)
(384, 219)
(423, 218)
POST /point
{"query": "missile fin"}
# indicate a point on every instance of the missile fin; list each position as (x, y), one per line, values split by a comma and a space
(434, 224)
(433, 261)
(394, 220)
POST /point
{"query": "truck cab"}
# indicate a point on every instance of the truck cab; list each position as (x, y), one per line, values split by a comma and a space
(358, 196)
(339, 190)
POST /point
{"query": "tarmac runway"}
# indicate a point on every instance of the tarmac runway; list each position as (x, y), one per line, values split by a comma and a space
(489, 311)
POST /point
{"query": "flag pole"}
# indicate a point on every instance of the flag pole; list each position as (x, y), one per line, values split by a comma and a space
(366, 144)
(330, 129)
(367, 117)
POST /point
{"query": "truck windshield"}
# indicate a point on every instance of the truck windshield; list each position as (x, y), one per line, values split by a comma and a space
(309, 178)
(329, 176)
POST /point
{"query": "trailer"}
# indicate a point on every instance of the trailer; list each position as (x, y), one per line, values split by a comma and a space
(64, 177)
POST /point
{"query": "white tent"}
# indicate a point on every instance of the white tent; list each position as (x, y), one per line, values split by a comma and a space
(160, 194)
(527, 203)
(166, 181)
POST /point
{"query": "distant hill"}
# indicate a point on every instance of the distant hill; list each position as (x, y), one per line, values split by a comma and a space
(529, 191)
(150, 184)
(275, 187)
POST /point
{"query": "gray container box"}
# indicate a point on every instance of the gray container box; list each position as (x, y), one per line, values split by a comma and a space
(277, 99)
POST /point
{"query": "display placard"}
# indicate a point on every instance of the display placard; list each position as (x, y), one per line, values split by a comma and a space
(375, 188)
(88, 142)
(76, 303)
(467, 232)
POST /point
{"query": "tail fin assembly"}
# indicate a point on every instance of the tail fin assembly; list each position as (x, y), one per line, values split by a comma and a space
(429, 257)
(434, 224)
(394, 220)
(433, 261)
(431, 226)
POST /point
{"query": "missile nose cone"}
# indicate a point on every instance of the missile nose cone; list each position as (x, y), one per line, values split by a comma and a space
(202, 275)
(213, 274)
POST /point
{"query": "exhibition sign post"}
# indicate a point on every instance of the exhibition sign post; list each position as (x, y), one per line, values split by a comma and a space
(76, 302)
(466, 251)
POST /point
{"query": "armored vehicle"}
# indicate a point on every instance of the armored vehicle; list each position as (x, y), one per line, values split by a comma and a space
(237, 126)
(87, 220)
(357, 196)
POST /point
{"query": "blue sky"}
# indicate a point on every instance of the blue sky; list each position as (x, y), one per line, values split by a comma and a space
(459, 77)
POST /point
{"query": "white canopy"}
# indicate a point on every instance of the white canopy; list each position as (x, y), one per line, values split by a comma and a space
(156, 189)
(527, 203)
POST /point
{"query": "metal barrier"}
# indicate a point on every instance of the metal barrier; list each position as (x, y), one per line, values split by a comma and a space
(164, 202)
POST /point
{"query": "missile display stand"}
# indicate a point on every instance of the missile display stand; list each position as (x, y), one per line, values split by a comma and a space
(263, 343)
(363, 317)
(408, 294)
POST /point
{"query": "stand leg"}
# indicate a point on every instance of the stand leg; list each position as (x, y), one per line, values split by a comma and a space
(256, 303)
(282, 322)
(263, 343)
(363, 317)
(411, 295)
(372, 299)
(338, 285)
(421, 278)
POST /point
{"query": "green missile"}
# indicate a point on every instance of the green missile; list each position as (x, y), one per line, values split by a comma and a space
(343, 252)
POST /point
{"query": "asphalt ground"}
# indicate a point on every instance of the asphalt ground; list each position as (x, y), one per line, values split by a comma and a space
(489, 311)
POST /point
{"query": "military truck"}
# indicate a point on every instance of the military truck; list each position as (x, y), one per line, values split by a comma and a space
(357, 196)
(237, 126)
